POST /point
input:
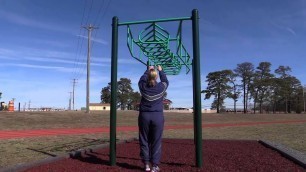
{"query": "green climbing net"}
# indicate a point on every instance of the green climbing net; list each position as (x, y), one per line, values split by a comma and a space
(154, 43)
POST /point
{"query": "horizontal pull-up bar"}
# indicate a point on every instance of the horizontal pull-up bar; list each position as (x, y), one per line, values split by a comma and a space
(152, 21)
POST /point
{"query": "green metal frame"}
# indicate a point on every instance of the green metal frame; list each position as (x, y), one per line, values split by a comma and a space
(154, 44)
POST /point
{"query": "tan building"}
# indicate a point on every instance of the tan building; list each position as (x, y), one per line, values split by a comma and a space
(99, 106)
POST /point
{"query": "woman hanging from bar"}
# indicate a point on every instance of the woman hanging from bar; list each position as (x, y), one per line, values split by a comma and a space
(151, 117)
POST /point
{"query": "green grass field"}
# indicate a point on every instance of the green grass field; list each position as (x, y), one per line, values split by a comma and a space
(18, 151)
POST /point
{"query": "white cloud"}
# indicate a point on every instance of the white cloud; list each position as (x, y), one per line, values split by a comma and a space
(127, 61)
(26, 52)
(108, 60)
(101, 41)
(40, 55)
(46, 67)
(54, 43)
(291, 31)
(41, 59)
(31, 66)
(63, 61)
(5, 52)
(39, 52)
(22, 20)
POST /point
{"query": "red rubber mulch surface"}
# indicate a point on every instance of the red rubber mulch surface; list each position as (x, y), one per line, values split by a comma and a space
(178, 155)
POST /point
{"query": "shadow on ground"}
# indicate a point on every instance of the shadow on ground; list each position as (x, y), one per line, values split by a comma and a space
(179, 155)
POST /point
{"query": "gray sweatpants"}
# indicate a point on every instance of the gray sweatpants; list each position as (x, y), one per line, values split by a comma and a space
(151, 126)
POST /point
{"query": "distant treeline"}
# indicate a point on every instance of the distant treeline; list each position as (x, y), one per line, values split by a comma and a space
(127, 98)
(270, 92)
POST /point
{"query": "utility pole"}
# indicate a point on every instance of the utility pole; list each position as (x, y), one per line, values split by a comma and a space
(89, 28)
(29, 105)
(73, 87)
(24, 106)
(69, 107)
(304, 89)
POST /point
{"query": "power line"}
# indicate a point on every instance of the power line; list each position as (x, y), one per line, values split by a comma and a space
(99, 12)
(80, 70)
(101, 17)
(89, 13)
(80, 60)
(77, 58)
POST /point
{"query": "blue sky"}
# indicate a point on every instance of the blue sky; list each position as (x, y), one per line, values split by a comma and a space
(43, 46)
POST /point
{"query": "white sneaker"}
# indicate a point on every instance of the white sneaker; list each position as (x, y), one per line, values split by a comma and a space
(147, 167)
(155, 169)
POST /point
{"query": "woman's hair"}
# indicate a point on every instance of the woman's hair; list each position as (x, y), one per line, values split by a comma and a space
(152, 75)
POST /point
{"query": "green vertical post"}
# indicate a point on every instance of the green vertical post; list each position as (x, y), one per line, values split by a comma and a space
(113, 110)
(197, 106)
(194, 116)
